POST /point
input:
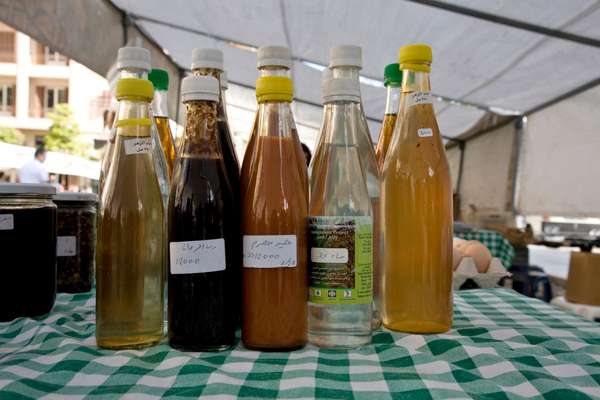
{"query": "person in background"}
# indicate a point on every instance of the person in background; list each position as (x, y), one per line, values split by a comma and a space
(53, 179)
(34, 171)
(307, 153)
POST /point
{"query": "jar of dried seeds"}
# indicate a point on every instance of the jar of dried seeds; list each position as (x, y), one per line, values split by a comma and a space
(75, 241)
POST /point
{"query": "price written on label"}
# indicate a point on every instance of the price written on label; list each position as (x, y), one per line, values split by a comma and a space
(7, 222)
(419, 98)
(425, 132)
(331, 256)
(66, 246)
(197, 256)
(270, 251)
(141, 145)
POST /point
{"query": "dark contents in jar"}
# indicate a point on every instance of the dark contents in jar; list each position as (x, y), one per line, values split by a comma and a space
(28, 266)
(75, 272)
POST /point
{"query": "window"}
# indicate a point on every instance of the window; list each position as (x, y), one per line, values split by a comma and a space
(7, 47)
(54, 57)
(7, 99)
(54, 96)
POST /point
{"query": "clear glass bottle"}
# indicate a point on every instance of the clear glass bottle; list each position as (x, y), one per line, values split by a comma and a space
(130, 249)
(346, 62)
(274, 225)
(392, 79)
(160, 81)
(417, 210)
(340, 229)
(203, 232)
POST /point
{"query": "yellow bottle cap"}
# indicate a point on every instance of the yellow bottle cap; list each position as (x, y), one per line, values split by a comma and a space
(133, 87)
(274, 88)
(415, 57)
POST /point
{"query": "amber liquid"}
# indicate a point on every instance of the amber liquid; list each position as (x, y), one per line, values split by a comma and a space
(417, 228)
(385, 138)
(275, 299)
(166, 140)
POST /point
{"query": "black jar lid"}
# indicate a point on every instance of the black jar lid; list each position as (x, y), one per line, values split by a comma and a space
(38, 189)
(76, 197)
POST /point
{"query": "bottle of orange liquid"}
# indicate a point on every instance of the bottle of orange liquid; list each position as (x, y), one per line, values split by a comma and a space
(274, 225)
(392, 79)
(417, 210)
(160, 81)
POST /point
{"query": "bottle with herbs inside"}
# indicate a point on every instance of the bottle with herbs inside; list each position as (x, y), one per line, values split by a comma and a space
(130, 251)
(340, 229)
(274, 224)
(203, 232)
(160, 81)
(417, 209)
(392, 79)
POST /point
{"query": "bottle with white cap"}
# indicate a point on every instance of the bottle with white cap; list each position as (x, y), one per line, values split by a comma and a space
(326, 75)
(204, 235)
(340, 228)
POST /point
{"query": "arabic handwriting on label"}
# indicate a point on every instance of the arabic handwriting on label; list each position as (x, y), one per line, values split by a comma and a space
(7, 222)
(270, 251)
(141, 145)
(425, 132)
(197, 256)
(419, 98)
(66, 246)
(332, 256)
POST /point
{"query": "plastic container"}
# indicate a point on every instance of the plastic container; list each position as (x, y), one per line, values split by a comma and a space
(27, 250)
(76, 241)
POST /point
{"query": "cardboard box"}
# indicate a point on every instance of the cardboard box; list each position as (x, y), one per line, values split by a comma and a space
(583, 283)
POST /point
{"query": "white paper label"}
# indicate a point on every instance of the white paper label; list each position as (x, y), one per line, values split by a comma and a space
(197, 256)
(7, 222)
(418, 98)
(425, 132)
(270, 251)
(141, 145)
(66, 246)
(330, 256)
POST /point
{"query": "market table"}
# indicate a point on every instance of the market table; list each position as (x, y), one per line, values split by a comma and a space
(502, 345)
(494, 241)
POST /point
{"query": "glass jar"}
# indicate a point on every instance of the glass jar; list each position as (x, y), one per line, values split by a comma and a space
(75, 241)
(27, 250)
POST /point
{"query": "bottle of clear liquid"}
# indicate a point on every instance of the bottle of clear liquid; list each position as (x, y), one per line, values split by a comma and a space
(417, 209)
(340, 229)
(160, 81)
(130, 249)
(392, 79)
(346, 62)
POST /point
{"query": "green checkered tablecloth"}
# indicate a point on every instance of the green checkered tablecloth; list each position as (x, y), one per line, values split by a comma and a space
(495, 242)
(502, 346)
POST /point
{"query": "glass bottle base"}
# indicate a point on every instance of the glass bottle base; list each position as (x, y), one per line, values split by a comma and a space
(128, 342)
(194, 348)
(264, 348)
(417, 326)
(338, 340)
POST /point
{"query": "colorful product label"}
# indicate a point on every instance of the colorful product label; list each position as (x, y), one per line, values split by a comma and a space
(341, 260)
(270, 251)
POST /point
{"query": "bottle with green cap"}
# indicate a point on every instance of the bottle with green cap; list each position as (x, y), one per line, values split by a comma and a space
(160, 80)
(130, 255)
(417, 213)
(392, 79)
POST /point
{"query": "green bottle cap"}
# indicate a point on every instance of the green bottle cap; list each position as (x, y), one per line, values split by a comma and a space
(392, 75)
(159, 78)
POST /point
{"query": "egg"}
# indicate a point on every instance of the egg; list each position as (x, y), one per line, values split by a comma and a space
(480, 254)
(457, 256)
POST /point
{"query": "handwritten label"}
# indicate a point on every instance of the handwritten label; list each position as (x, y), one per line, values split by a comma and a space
(270, 251)
(419, 98)
(66, 246)
(141, 145)
(197, 256)
(332, 256)
(425, 132)
(7, 222)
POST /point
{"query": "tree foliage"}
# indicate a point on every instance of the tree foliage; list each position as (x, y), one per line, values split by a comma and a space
(64, 132)
(11, 136)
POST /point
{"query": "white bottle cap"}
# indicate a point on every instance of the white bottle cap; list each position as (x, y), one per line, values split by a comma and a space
(326, 75)
(224, 82)
(133, 57)
(195, 87)
(341, 89)
(207, 58)
(345, 56)
(277, 56)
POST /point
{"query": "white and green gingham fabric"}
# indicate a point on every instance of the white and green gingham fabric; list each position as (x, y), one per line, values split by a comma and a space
(502, 346)
(495, 242)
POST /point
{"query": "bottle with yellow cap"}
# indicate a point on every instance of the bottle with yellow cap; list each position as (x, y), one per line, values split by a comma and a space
(130, 255)
(274, 227)
(417, 218)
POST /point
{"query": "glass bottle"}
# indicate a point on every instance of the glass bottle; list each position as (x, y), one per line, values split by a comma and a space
(203, 232)
(392, 79)
(130, 249)
(346, 62)
(274, 225)
(417, 210)
(340, 229)
(160, 80)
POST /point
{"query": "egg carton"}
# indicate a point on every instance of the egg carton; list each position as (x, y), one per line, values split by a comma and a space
(489, 279)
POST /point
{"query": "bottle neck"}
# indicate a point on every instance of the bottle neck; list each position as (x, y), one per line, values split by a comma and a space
(215, 73)
(392, 103)
(129, 72)
(200, 138)
(133, 118)
(273, 70)
(159, 104)
(340, 127)
(346, 71)
(415, 81)
(275, 119)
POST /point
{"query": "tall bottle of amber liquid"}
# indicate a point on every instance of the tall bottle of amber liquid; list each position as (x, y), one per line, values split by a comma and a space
(274, 224)
(340, 229)
(272, 61)
(160, 81)
(130, 245)
(203, 231)
(392, 79)
(417, 209)
(346, 62)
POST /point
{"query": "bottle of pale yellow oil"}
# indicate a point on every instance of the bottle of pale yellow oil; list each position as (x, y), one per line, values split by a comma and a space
(130, 255)
(392, 79)
(416, 210)
(160, 81)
